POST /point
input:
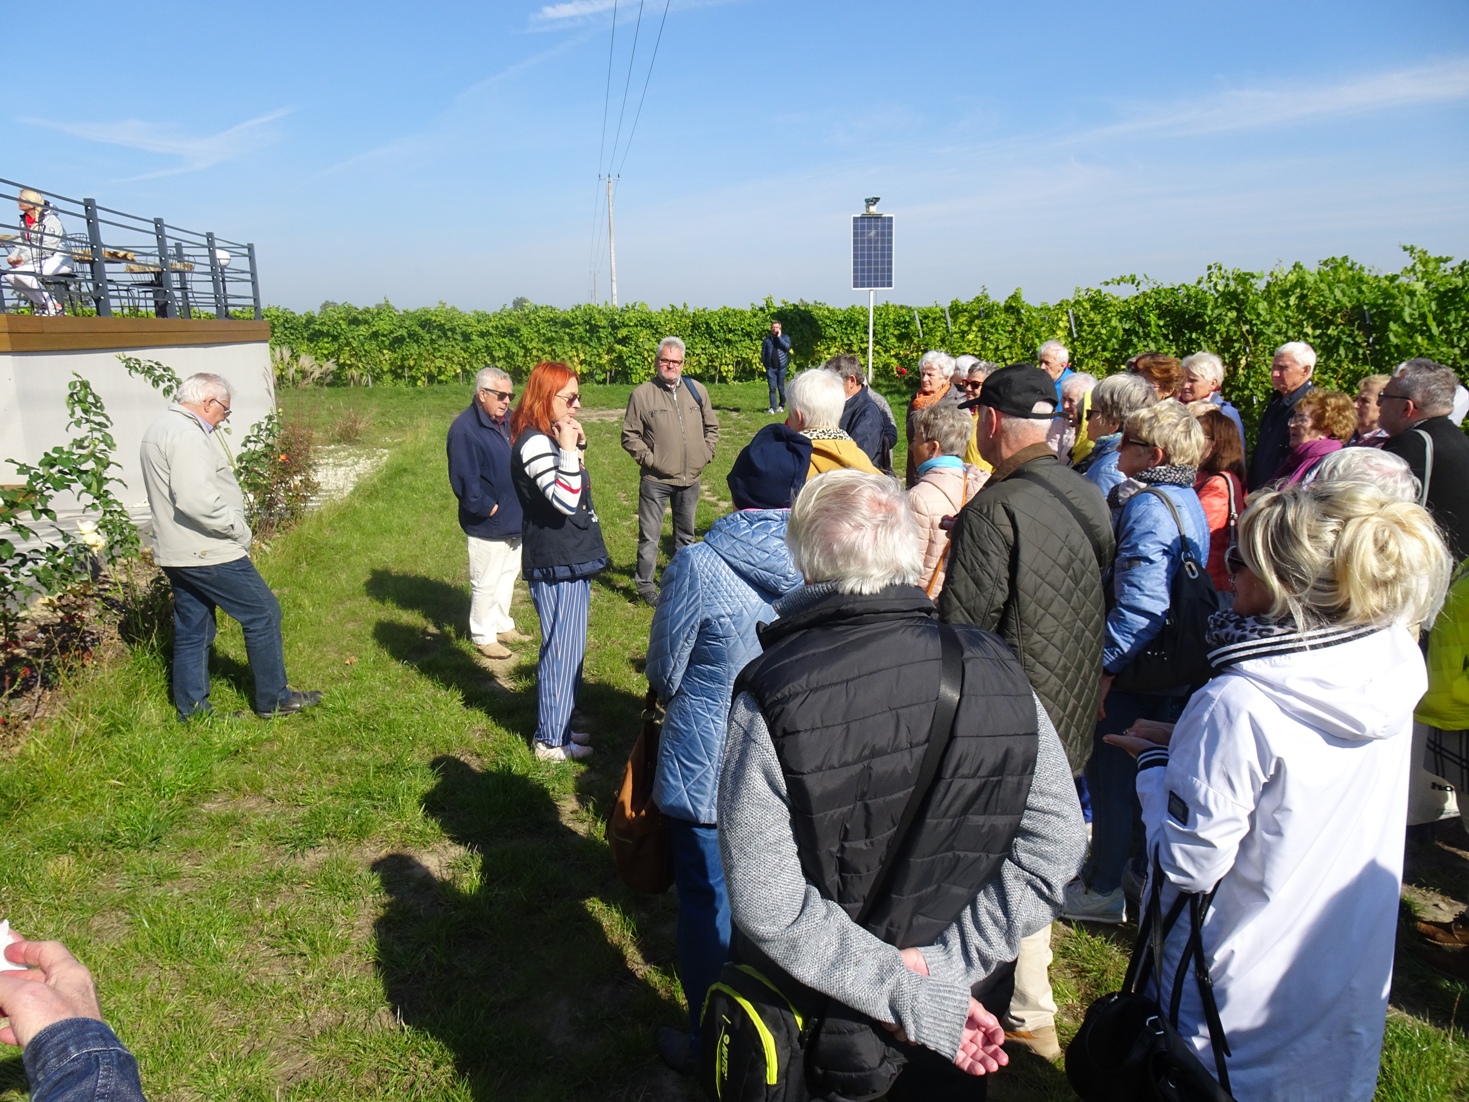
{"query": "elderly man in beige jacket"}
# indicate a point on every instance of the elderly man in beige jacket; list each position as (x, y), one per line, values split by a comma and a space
(203, 544)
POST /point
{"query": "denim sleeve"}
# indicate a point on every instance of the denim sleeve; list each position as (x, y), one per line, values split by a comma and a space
(80, 1060)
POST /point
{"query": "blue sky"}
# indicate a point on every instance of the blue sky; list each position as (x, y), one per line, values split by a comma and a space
(449, 151)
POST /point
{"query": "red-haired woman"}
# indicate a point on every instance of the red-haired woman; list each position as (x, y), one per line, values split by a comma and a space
(561, 546)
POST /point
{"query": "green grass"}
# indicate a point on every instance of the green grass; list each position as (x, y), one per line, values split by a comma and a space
(389, 897)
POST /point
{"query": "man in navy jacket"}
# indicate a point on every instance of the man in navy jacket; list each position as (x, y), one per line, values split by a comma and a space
(871, 425)
(775, 353)
(489, 511)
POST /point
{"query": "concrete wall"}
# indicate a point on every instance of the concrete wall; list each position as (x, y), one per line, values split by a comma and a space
(33, 412)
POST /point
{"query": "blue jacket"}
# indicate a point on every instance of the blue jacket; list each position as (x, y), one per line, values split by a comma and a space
(775, 351)
(1148, 553)
(863, 421)
(479, 475)
(714, 593)
(1102, 469)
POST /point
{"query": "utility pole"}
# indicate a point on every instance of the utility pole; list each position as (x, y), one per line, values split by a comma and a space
(611, 242)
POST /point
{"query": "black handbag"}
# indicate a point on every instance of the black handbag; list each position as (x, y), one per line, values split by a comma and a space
(760, 1043)
(1178, 656)
(1127, 1049)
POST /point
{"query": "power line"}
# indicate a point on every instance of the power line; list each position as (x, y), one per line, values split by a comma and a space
(633, 133)
(607, 92)
(625, 85)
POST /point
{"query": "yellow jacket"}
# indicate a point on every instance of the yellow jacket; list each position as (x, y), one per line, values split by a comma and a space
(833, 450)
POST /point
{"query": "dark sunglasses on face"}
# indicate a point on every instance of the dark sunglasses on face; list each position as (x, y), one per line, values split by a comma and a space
(503, 395)
(974, 385)
(1233, 561)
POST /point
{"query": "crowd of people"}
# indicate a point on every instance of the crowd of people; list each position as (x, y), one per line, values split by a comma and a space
(906, 728)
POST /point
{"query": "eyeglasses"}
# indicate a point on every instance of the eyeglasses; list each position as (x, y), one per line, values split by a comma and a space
(666, 362)
(1128, 440)
(1234, 562)
(221, 405)
(974, 385)
(1300, 419)
(503, 395)
(1092, 413)
(572, 399)
(1400, 397)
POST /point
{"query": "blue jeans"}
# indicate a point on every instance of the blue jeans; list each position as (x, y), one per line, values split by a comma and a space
(776, 377)
(1111, 782)
(238, 588)
(703, 912)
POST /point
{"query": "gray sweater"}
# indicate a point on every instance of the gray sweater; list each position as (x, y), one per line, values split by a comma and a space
(198, 509)
(815, 940)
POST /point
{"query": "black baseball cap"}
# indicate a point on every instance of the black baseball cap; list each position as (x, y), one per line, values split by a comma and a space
(1016, 390)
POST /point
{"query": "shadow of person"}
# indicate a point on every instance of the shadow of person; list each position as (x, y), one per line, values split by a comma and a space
(525, 968)
(446, 606)
(510, 700)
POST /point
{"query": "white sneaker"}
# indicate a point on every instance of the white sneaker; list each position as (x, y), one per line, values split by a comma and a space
(1084, 905)
(568, 752)
(770, 412)
(579, 738)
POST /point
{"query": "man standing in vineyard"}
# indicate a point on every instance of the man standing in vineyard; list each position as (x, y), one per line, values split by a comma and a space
(202, 542)
(1290, 375)
(671, 430)
(775, 353)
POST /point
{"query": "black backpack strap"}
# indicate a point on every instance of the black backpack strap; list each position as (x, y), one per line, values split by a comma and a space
(1077, 514)
(951, 681)
(1187, 555)
(701, 399)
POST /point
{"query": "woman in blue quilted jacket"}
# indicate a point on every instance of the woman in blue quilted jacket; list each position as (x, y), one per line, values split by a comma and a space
(1159, 454)
(713, 595)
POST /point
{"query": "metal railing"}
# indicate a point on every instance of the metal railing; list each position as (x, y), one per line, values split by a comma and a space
(118, 264)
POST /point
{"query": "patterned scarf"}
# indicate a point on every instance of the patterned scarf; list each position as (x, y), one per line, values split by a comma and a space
(1233, 638)
(923, 401)
(825, 434)
(1168, 474)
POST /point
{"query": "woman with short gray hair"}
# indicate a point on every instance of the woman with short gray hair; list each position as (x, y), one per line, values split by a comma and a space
(945, 484)
(1115, 399)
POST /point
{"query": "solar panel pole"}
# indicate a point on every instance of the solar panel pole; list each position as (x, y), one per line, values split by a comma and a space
(871, 300)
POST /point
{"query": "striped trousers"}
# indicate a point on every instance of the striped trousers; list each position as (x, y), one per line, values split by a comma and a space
(563, 609)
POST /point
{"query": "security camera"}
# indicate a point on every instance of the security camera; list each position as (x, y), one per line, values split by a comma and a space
(871, 205)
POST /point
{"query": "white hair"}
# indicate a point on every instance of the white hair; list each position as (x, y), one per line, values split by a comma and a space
(818, 396)
(1430, 385)
(1207, 366)
(1300, 352)
(856, 531)
(1019, 432)
(942, 360)
(487, 375)
(1077, 384)
(1053, 348)
(198, 389)
(1388, 472)
(672, 342)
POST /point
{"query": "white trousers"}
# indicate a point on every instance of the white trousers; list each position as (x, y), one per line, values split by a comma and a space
(30, 287)
(1033, 1006)
(493, 566)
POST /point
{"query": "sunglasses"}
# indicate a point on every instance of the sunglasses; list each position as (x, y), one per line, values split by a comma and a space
(1130, 441)
(570, 399)
(503, 395)
(974, 385)
(1233, 561)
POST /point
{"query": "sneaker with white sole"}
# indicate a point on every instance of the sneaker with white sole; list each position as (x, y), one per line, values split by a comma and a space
(569, 751)
(1084, 905)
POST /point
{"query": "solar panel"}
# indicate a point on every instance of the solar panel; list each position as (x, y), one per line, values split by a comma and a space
(872, 252)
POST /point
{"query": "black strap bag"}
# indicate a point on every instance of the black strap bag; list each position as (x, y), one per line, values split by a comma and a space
(760, 1043)
(1178, 656)
(1127, 1049)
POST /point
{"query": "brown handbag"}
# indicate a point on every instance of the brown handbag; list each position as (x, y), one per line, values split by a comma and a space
(636, 831)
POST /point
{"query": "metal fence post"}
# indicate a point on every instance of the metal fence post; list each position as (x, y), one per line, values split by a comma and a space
(254, 281)
(163, 300)
(216, 276)
(186, 307)
(101, 297)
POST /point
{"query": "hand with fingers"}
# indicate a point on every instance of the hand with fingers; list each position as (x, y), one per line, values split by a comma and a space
(980, 1050)
(1142, 735)
(55, 986)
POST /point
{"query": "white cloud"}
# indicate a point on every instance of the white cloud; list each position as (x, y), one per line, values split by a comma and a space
(572, 9)
(194, 153)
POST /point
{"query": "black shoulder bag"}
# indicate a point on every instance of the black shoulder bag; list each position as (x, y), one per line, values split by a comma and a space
(755, 1041)
(1178, 656)
(1127, 1049)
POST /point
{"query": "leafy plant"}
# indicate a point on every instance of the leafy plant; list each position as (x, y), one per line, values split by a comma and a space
(273, 468)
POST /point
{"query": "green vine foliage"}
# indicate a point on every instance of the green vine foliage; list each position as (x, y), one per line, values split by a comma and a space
(1360, 320)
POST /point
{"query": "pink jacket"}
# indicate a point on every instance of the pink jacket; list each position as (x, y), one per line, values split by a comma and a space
(940, 493)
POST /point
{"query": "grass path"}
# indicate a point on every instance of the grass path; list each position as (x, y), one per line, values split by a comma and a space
(388, 896)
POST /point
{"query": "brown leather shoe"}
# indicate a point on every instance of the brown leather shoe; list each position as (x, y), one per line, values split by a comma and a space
(494, 650)
(513, 636)
(1043, 1041)
(1453, 934)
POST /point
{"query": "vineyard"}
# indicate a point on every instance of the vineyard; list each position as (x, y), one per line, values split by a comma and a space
(1360, 321)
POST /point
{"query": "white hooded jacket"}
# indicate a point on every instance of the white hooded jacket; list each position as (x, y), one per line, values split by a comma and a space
(1287, 783)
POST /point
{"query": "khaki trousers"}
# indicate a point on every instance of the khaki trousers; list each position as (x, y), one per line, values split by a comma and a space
(1033, 1007)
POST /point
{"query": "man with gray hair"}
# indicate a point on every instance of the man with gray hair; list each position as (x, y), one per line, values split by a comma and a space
(1290, 375)
(866, 416)
(1414, 409)
(489, 510)
(1053, 358)
(202, 543)
(671, 430)
(1026, 558)
(851, 674)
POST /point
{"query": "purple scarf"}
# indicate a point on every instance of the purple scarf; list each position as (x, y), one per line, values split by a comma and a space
(1301, 459)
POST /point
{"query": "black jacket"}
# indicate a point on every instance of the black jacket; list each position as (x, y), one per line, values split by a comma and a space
(863, 421)
(1448, 485)
(1021, 564)
(775, 352)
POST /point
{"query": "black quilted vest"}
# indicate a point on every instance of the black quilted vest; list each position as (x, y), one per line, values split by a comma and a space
(847, 687)
(550, 538)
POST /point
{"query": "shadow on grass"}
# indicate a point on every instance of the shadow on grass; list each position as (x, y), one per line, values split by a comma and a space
(533, 980)
(12, 1074)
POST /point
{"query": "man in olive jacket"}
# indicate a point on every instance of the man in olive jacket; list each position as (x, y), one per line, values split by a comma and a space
(671, 430)
(1026, 557)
